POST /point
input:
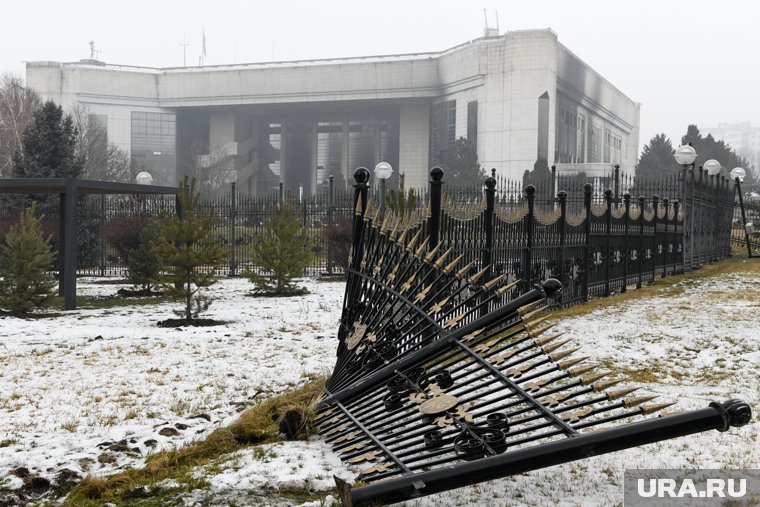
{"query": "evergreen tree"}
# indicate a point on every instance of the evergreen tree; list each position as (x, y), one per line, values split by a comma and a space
(402, 201)
(460, 163)
(25, 259)
(49, 146)
(143, 266)
(692, 136)
(709, 148)
(185, 250)
(282, 250)
(656, 159)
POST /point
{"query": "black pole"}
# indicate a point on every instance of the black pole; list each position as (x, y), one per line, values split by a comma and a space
(607, 234)
(617, 184)
(330, 199)
(666, 203)
(562, 196)
(640, 265)
(655, 205)
(436, 187)
(70, 246)
(744, 217)
(530, 193)
(626, 253)
(553, 184)
(486, 255)
(61, 241)
(587, 189)
(717, 416)
(101, 240)
(233, 230)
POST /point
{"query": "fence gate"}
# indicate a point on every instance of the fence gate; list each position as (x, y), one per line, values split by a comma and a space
(446, 377)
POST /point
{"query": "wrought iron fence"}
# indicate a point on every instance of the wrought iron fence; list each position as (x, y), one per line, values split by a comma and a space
(595, 239)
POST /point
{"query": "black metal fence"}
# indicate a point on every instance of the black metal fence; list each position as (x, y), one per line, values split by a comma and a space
(598, 236)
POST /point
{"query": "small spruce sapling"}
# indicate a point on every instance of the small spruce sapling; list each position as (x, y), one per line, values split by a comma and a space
(25, 259)
(187, 253)
(282, 250)
(143, 266)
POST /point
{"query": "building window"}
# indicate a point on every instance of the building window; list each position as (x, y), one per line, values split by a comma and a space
(153, 145)
(443, 128)
(472, 123)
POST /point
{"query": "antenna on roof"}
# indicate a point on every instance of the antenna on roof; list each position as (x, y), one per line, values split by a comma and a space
(490, 32)
(93, 52)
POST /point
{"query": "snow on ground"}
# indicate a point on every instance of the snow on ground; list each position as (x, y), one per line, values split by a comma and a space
(95, 390)
(63, 392)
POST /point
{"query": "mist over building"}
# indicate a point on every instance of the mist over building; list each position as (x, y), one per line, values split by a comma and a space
(742, 137)
(521, 97)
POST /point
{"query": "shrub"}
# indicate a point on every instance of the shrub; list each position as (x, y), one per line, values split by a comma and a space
(143, 266)
(123, 233)
(339, 239)
(25, 259)
(282, 250)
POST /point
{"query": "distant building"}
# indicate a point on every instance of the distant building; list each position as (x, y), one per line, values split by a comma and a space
(522, 97)
(742, 137)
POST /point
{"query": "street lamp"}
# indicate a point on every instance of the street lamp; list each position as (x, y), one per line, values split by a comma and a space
(383, 171)
(712, 167)
(144, 178)
(685, 155)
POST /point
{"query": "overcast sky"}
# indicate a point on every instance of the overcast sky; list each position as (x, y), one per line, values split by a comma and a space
(685, 62)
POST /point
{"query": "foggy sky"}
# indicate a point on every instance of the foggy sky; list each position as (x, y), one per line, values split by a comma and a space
(685, 62)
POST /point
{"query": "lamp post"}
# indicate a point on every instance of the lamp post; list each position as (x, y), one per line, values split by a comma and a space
(685, 156)
(712, 167)
(383, 171)
(738, 174)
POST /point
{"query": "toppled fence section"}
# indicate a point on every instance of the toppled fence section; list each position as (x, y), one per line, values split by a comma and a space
(448, 375)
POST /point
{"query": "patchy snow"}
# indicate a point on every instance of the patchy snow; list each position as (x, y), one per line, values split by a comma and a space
(111, 377)
(63, 392)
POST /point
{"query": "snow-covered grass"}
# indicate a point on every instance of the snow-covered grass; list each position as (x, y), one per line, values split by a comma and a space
(109, 376)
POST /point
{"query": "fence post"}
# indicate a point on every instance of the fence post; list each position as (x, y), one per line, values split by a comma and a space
(330, 203)
(282, 193)
(562, 196)
(530, 193)
(486, 257)
(361, 187)
(640, 266)
(617, 184)
(587, 189)
(666, 203)
(626, 253)
(554, 184)
(102, 240)
(676, 238)
(655, 205)
(607, 233)
(233, 229)
(436, 187)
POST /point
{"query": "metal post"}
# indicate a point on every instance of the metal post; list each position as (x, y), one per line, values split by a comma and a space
(676, 237)
(640, 266)
(70, 246)
(330, 198)
(607, 234)
(626, 253)
(100, 235)
(530, 193)
(562, 196)
(281, 193)
(655, 205)
(587, 189)
(436, 187)
(382, 196)
(233, 229)
(361, 186)
(486, 254)
(744, 218)
(666, 203)
(617, 184)
(554, 184)
(61, 241)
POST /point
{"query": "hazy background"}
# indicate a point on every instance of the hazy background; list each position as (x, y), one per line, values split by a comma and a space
(686, 62)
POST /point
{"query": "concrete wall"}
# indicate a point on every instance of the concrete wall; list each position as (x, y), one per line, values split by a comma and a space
(414, 133)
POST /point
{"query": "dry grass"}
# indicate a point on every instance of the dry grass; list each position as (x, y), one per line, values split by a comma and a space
(669, 286)
(257, 425)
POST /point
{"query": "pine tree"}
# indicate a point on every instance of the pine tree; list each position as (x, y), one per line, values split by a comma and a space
(656, 159)
(460, 162)
(282, 250)
(188, 254)
(25, 259)
(49, 146)
(402, 201)
(143, 266)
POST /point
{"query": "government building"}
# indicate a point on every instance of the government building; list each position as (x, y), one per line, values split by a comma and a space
(521, 98)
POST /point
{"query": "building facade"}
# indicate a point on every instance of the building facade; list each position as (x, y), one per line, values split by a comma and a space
(522, 98)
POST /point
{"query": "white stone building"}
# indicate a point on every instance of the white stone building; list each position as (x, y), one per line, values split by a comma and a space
(522, 97)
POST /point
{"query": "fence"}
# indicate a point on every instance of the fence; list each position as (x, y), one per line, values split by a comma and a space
(595, 238)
